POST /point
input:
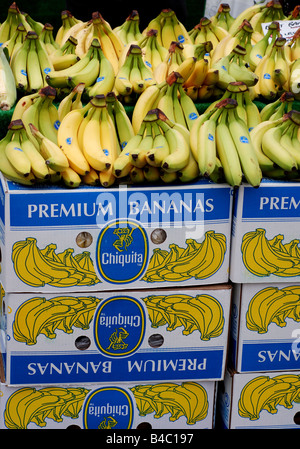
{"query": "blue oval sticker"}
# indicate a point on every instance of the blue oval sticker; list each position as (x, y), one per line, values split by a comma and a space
(119, 326)
(108, 408)
(122, 251)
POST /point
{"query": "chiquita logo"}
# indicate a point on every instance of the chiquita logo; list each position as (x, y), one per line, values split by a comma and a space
(108, 408)
(122, 251)
(119, 326)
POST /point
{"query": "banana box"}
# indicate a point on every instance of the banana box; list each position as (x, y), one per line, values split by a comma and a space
(266, 233)
(168, 405)
(259, 400)
(89, 239)
(265, 327)
(117, 336)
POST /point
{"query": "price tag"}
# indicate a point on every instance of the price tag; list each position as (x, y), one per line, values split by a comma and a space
(287, 28)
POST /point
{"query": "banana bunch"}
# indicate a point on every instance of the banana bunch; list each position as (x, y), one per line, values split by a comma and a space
(175, 60)
(133, 76)
(258, 14)
(197, 77)
(202, 313)
(35, 268)
(272, 305)
(263, 46)
(208, 30)
(31, 64)
(277, 145)
(223, 17)
(160, 150)
(220, 134)
(129, 31)
(176, 104)
(65, 56)
(68, 22)
(242, 37)
(89, 139)
(188, 399)
(97, 27)
(10, 24)
(93, 69)
(8, 90)
(30, 405)
(16, 41)
(198, 260)
(46, 36)
(169, 28)
(262, 257)
(38, 316)
(273, 72)
(153, 53)
(265, 394)
(277, 108)
(73, 100)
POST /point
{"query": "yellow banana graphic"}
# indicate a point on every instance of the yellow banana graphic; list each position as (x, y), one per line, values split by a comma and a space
(188, 399)
(29, 405)
(262, 393)
(262, 258)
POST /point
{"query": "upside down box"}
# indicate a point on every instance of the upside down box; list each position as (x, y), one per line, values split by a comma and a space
(266, 233)
(169, 405)
(89, 239)
(259, 400)
(156, 335)
(265, 327)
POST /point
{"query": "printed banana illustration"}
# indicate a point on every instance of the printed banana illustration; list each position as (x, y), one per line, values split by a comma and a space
(188, 399)
(199, 261)
(272, 305)
(37, 269)
(264, 394)
(40, 316)
(202, 313)
(262, 258)
(29, 405)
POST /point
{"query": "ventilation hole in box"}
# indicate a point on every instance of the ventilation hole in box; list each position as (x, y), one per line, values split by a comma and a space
(155, 340)
(158, 236)
(297, 418)
(84, 239)
(73, 427)
(82, 343)
(144, 426)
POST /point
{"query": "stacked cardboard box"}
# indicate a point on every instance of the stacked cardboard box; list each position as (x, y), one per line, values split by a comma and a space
(261, 386)
(115, 305)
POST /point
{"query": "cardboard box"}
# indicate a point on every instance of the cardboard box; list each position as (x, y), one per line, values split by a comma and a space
(108, 337)
(265, 327)
(170, 405)
(127, 237)
(266, 233)
(259, 400)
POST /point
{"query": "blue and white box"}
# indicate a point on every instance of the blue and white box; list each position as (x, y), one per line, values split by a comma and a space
(266, 233)
(95, 239)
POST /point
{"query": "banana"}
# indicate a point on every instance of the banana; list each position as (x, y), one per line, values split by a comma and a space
(205, 145)
(256, 136)
(123, 124)
(190, 172)
(160, 150)
(275, 151)
(227, 153)
(19, 65)
(38, 164)
(33, 69)
(7, 168)
(188, 107)
(52, 153)
(70, 178)
(135, 76)
(198, 74)
(106, 78)
(247, 155)
(14, 152)
(91, 142)
(179, 154)
(138, 156)
(67, 140)
(122, 81)
(65, 105)
(144, 103)
(47, 124)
